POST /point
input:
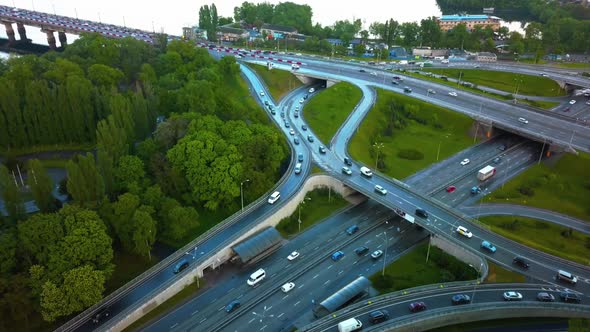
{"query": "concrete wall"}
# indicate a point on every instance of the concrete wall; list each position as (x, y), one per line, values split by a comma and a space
(213, 262)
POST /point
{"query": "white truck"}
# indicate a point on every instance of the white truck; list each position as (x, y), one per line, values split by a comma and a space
(349, 325)
(366, 172)
(486, 173)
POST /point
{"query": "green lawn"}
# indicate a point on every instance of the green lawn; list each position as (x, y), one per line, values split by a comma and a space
(167, 306)
(544, 236)
(575, 65)
(415, 146)
(505, 81)
(496, 273)
(279, 82)
(546, 105)
(326, 112)
(561, 185)
(411, 270)
(316, 208)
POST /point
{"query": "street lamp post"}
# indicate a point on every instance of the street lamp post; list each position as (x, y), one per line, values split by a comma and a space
(476, 282)
(439, 144)
(377, 146)
(300, 205)
(242, 192)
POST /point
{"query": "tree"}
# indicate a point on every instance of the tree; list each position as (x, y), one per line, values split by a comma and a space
(225, 20)
(41, 185)
(410, 32)
(111, 138)
(130, 170)
(38, 234)
(144, 232)
(85, 183)
(13, 202)
(430, 32)
(179, 221)
(359, 49)
(293, 15)
(8, 246)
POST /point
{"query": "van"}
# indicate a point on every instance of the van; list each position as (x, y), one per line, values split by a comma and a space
(274, 197)
(298, 168)
(566, 276)
(350, 325)
(366, 172)
(181, 265)
(523, 120)
(256, 277)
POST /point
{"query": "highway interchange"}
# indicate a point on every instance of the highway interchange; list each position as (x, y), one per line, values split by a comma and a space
(408, 197)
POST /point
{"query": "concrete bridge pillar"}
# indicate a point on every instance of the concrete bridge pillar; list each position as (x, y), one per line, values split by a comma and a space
(50, 38)
(9, 32)
(482, 129)
(22, 31)
(63, 39)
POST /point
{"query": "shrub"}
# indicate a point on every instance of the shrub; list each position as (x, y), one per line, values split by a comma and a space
(527, 191)
(410, 154)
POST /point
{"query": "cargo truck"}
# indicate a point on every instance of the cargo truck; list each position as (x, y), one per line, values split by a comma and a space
(486, 173)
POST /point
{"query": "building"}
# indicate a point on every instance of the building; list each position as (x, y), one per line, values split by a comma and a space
(193, 33)
(271, 31)
(231, 34)
(486, 57)
(448, 22)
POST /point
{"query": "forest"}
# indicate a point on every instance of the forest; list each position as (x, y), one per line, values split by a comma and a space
(140, 182)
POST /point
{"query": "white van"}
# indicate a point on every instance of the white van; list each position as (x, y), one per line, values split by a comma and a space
(349, 325)
(366, 172)
(298, 168)
(256, 277)
(566, 276)
(274, 197)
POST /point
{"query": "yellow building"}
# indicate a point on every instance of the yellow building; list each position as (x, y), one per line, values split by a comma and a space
(448, 22)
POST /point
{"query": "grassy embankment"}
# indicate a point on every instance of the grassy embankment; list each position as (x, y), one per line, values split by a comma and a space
(279, 82)
(411, 136)
(315, 208)
(326, 112)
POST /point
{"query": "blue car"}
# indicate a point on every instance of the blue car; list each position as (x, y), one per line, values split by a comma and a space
(352, 229)
(337, 255)
(233, 305)
(488, 246)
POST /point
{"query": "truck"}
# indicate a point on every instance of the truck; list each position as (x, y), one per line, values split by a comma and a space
(349, 325)
(486, 173)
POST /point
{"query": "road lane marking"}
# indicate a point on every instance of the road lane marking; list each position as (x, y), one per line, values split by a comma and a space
(173, 326)
(284, 297)
(231, 290)
(316, 248)
(327, 281)
(355, 262)
(220, 308)
(330, 266)
(251, 320)
(317, 275)
(269, 308)
(262, 328)
(300, 286)
(279, 316)
(274, 274)
(240, 296)
(296, 303)
(202, 320)
(194, 312)
(339, 273)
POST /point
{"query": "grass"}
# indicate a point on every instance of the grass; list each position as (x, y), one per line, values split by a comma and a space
(561, 185)
(326, 112)
(313, 210)
(505, 81)
(412, 270)
(279, 82)
(542, 104)
(167, 306)
(576, 65)
(54, 163)
(429, 128)
(127, 267)
(496, 273)
(315, 169)
(544, 236)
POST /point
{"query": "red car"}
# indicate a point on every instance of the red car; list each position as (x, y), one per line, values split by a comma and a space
(450, 189)
(417, 306)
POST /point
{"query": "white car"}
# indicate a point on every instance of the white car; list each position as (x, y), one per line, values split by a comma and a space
(453, 93)
(380, 190)
(274, 197)
(262, 93)
(292, 132)
(346, 170)
(286, 288)
(311, 90)
(588, 102)
(432, 92)
(293, 255)
(512, 296)
(301, 101)
(572, 102)
(373, 73)
(465, 162)
(523, 120)
(465, 232)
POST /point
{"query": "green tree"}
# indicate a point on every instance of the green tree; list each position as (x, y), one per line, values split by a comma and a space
(112, 139)
(8, 247)
(359, 49)
(144, 232)
(411, 33)
(293, 15)
(179, 221)
(38, 234)
(430, 32)
(41, 185)
(85, 183)
(130, 170)
(13, 201)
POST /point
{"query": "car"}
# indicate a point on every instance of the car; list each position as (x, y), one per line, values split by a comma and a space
(293, 255)
(322, 149)
(465, 162)
(545, 297)
(588, 102)
(311, 90)
(497, 160)
(378, 316)
(502, 147)
(337, 256)
(233, 305)
(572, 102)
(417, 306)
(301, 101)
(292, 132)
(352, 229)
(266, 102)
(407, 89)
(488, 246)
(543, 74)
(347, 161)
(296, 114)
(451, 189)
(262, 93)
(519, 261)
(453, 94)
(286, 288)
(432, 92)
(376, 254)
(512, 296)
(523, 120)
(567, 109)
(306, 96)
(300, 157)
(101, 315)
(476, 66)
(465, 232)
(460, 299)
(287, 125)
(310, 138)
(397, 78)
(303, 127)
(362, 70)
(421, 213)
(361, 250)
(395, 82)
(380, 189)
(274, 197)
(570, 297)
(346, 170)
(296, 141)
(273, 112)
(373, 73)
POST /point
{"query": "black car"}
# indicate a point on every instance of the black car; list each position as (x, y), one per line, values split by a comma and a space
(361, 250)
(101, 315)
(545, 297)
(421, 213)
(347, 161)
(395, 82)
(322, 149)
(233, 305)
(305, 97)
(362, 70)
(460, 299)
(310, 138)
(266, 102)
(303, 127)
(519, 261)
(378, 316)
(570, 297)
(407, 89)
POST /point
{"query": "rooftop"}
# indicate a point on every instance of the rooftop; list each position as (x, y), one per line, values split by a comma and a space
(464, 17)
